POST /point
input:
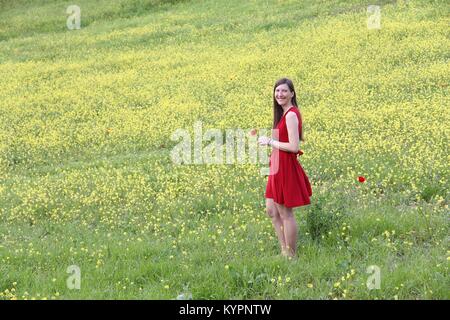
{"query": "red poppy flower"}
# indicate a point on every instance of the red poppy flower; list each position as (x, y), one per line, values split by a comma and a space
(361, 179)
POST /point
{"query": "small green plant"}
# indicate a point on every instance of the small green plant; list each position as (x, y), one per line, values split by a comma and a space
(324, 215)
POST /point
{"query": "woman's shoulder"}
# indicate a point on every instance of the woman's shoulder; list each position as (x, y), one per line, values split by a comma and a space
(292, 116)
(296, 110)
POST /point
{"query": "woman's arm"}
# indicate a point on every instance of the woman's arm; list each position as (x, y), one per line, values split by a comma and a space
(292, 128)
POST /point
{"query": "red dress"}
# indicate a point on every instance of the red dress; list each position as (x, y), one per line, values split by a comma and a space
(288, 183)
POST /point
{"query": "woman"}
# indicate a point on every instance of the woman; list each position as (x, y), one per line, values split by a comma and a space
(288, 185)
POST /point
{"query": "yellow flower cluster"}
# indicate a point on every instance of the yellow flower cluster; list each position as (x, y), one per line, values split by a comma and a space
(340, 289)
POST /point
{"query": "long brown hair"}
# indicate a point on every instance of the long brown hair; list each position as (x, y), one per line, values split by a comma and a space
(278, 110)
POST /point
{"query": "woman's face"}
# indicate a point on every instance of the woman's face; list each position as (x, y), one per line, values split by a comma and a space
(283, 94)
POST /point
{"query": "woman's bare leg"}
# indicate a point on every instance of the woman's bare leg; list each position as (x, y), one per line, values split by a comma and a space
(277, 223)
(290, 228)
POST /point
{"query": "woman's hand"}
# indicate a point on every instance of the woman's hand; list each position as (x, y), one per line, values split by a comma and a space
(264, 141)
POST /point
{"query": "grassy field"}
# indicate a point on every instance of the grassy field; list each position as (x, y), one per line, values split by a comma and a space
(86, 177)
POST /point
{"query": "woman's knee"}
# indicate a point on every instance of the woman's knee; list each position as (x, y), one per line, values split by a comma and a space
(271, 210)
(285, 213)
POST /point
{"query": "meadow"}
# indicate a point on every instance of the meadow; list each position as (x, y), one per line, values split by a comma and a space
(87, 180)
